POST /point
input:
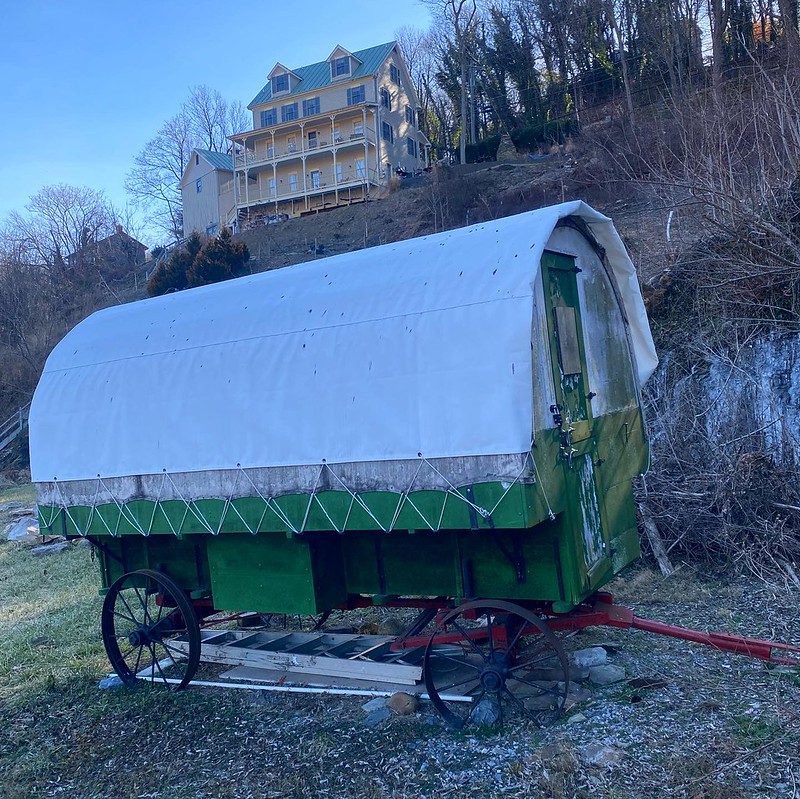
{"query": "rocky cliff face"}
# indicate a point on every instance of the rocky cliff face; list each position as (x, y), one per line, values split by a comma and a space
(725, 435)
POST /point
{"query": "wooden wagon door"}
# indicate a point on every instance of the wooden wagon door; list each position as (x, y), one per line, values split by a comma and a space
(571, 409)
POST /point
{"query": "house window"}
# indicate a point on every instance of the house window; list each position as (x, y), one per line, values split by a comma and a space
(387, 132)
(341, 66)
(311, 107)
(198, 184)
(293, 181)
(280, 83)
(270, 151)
(316, 179)
(312, 140)
(339, 173)
(291, 144)
(272, 187)
(337, 134)
(269, 117)
(386, 99)
(196, 159)
(358, 129)
(411, 146)
(288, 112)
(394, 74)
(355, 95)
(361, 170)
(409, 115)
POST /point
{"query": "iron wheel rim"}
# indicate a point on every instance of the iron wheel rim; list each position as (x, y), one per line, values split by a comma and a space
(137, 628)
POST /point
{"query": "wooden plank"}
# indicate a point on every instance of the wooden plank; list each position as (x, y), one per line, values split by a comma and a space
(295, 679)
(295, 689)
(309, 664)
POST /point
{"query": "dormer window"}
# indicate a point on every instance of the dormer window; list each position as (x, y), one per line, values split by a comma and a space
(280, 83)
(340, 67)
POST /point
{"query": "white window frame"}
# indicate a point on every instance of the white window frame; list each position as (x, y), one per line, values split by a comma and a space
(275, 89)
(360, 90)
(313, 103)
(336, 63)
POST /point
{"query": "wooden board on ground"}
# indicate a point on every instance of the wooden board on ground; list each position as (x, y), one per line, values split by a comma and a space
(290, 678)
(359, 657)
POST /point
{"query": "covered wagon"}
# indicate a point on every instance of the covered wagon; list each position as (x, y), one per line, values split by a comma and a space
(450, 422)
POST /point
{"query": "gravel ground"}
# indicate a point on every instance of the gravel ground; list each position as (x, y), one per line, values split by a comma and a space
(718, 726)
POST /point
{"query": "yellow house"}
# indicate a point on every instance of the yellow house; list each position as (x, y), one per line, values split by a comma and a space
(327, 134)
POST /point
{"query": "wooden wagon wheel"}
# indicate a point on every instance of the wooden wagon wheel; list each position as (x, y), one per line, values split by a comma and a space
(142, 611)
(503, 657)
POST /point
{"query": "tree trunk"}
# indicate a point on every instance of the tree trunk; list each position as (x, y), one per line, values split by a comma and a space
(623, 61)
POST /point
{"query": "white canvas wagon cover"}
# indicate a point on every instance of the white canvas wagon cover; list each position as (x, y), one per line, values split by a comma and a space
(420, 348)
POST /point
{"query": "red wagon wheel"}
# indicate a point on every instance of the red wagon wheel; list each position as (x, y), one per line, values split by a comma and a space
(142, 613)
(501, 656)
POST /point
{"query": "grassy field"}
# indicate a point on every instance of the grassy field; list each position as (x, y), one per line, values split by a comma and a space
(722, 727)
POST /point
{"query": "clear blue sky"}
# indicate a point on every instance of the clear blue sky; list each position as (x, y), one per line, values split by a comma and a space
(86, 83)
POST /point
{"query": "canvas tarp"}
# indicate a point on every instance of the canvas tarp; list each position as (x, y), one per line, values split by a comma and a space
(420, 348)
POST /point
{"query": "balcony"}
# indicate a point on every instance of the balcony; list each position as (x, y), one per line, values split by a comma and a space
(327, 183)
(284, 152)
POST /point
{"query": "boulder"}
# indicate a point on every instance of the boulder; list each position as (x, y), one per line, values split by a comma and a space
(606, 674)
(403, 704)
(586, 658)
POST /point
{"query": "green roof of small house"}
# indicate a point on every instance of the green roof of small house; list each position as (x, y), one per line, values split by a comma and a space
(317, 76)
(217, 160)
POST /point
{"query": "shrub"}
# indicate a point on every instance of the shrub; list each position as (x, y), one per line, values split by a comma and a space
(198, 264)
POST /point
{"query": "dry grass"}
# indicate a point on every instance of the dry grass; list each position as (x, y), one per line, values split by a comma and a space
(723, 728)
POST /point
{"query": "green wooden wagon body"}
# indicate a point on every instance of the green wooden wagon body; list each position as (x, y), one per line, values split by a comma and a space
(455, 416)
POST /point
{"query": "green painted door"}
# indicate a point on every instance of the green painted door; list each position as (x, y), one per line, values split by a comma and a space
(572, 415)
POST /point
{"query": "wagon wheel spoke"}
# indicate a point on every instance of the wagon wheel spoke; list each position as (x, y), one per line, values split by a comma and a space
(498, 671)
(459, 661)
(468, 639)
(135, 619)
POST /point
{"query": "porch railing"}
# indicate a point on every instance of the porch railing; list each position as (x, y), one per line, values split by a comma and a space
(282, 151)
(13, 426)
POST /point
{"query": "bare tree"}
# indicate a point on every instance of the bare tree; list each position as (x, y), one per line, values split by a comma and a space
(61, 222)
(154, 181)
(204, 121)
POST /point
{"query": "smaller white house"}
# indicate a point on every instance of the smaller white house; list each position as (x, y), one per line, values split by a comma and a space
(207, 193)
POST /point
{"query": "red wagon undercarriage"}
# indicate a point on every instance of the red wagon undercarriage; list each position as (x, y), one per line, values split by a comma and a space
(480, 660)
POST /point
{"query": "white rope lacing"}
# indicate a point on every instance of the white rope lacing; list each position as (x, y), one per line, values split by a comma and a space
(550, 514)
(190, 507)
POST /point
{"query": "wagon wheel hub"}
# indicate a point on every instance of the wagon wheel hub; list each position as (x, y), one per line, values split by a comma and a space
(140, 637)
(492, 680)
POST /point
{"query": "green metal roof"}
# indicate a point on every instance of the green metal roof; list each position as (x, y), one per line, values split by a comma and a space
(317, 76)
(217, 160)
